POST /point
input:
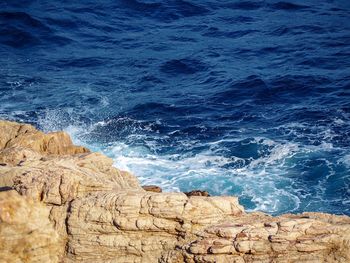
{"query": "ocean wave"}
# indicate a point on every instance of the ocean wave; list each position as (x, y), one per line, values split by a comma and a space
(212, 172)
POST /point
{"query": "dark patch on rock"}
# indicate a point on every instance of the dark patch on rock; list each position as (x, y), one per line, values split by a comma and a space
(5, 188)
(197, 193)
(152, 188)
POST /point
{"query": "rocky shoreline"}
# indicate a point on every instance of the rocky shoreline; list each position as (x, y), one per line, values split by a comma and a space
(62, 203)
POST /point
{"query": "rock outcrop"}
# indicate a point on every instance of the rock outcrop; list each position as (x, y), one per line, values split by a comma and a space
(71, 205)
(16, 135)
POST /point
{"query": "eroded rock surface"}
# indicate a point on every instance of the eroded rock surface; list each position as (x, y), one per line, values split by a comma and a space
(141, 227)
(26, 233)
(71, 205)
(17, 140)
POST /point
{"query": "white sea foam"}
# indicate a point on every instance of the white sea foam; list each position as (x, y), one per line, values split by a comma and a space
(206, 170)
(346, 160)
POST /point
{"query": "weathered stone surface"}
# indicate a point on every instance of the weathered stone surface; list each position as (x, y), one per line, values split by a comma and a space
(58, 180)
(16, 135)
(149, 227)
(26, 233)
(309, 237)
(71, 205)
(141, 226)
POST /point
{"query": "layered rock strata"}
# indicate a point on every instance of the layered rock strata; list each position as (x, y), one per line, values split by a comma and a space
(71, 205)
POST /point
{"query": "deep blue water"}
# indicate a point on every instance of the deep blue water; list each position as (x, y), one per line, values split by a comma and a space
(247, 98)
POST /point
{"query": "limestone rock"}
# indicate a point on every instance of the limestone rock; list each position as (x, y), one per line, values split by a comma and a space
(26, 233)
(170, 227)
(15, 135)
(58, 180)
(309, 237)
(140, 226)
(49, 168)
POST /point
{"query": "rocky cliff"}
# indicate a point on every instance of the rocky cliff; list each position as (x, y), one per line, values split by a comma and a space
(61, 203)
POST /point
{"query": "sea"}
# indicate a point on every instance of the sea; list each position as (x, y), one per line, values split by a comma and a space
(243, 98)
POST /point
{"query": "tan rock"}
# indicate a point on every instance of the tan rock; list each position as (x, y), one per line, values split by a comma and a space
(26, 136)
(59, 180)
(26, 233)
(154, 219)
